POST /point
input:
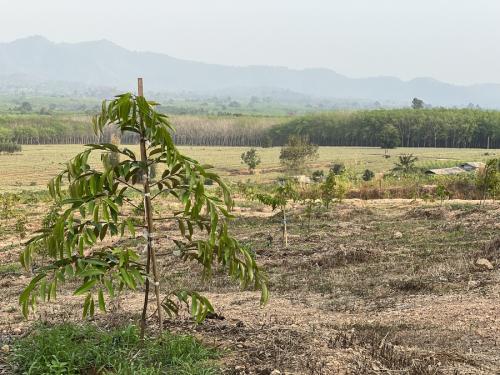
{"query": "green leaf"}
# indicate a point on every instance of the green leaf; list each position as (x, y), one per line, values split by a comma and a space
(85, 287)
(104, 229)
(96, 213)
(91, 272)
(170, 307)
(91, 307)
(182, 228)
(127, 279)
(264, 297)
(105, 212)
(136, 275)
(131, 227)
(93, 185)
(102, 305)
(86, 305)
(109, 286)
(52, 189)
(155, 151)
(26, 293)
(81, 244)
(111, 204)
(95, 262)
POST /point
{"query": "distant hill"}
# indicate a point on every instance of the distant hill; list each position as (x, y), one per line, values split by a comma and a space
(39, 64)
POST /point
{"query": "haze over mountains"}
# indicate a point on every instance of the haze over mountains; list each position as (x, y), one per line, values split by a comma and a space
(35, 63)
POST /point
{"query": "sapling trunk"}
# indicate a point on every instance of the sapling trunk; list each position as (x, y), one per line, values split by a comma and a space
(285, 233)
(308, 222)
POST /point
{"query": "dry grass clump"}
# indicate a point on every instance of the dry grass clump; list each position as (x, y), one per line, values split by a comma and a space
(435, 213)
(375, 353)
(343, 257)
(491, 251)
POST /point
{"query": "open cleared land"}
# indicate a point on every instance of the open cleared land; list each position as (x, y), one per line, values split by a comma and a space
(386, 286)
(31, 169)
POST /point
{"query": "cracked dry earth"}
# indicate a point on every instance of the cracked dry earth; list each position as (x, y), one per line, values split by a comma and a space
(378, 287)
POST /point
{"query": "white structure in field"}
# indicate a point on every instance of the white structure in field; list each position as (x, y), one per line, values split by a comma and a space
(462, 168)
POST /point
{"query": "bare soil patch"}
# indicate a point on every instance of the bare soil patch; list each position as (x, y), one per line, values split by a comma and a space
(347, 296)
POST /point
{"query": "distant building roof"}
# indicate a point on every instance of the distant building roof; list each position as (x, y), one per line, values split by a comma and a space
(464, 167)
(472, 165)
(446, 171)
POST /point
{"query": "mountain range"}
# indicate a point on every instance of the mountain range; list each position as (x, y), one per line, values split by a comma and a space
(35, 63)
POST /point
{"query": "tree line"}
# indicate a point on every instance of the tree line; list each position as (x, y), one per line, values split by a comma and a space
(37, 129)
(461, 128)
(189, 130)
(467, 128)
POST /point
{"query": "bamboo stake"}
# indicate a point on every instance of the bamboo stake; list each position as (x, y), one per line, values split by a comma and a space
(148, 215)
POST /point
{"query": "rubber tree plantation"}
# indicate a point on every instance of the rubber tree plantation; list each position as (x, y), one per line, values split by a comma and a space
(85, 241)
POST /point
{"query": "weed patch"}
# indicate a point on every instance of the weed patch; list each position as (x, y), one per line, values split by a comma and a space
(10, 268)
(87, 349)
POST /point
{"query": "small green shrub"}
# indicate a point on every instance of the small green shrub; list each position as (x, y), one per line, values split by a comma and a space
(86, 349)
(20, 226)
(334, 187)
(251, 159)
(311, 199)
(283, 192)
(368, 175)
(317, 176)
(488, 179)
(442, 193)
(405, 164)
(337, 168)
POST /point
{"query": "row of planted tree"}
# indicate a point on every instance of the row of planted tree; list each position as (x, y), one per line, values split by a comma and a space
(190, 130)
(399, 127)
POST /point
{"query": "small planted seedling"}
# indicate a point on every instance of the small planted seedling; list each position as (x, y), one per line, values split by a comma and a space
(310, 198)
(332, 188)
(279, 198)
(442, 193)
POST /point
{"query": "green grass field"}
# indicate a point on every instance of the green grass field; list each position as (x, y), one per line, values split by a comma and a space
(35, 165)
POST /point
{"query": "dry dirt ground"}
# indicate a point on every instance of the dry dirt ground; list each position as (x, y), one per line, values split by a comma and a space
(377, 287)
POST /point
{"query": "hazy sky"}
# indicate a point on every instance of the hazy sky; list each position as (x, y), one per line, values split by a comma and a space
(452, 40)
